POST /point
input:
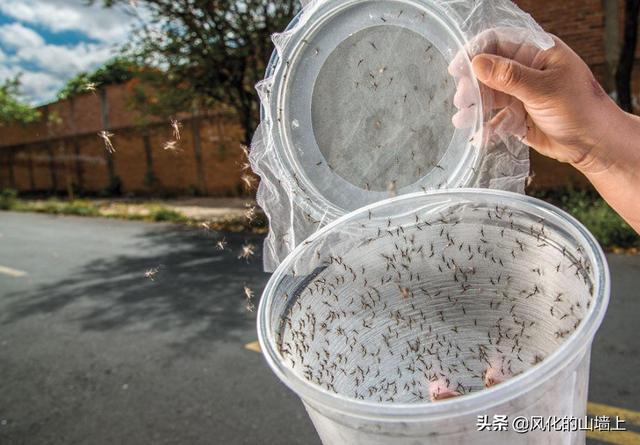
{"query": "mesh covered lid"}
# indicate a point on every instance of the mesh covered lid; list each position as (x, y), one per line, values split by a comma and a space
(366, 103)
(358, 105)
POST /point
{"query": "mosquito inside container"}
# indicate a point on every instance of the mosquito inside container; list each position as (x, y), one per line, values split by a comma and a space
(430, 297)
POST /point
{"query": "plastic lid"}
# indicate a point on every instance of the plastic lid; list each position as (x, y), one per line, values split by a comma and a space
(357, 106)
(363, 104)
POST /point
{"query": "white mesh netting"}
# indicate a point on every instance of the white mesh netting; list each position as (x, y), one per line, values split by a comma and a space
(358, 103)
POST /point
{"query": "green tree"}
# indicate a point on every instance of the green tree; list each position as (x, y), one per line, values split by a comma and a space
(216, 48)
(115, 71)
(156, 95)
(12, 109)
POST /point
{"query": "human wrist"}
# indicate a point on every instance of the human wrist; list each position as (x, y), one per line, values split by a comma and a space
(609, 143)
(614, 167)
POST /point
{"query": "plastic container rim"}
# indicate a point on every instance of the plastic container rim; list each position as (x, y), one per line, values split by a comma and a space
(296, 43)
(480, 400)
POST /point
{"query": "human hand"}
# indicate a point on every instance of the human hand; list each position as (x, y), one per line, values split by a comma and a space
(549, 99)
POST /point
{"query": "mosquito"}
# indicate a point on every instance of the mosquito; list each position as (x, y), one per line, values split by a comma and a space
(248, 250)
(248, 181)
(221, 244)
(250, 213)
(151, 273)
(106, 137)
(90, 86)
(170, 146)
(248, 295)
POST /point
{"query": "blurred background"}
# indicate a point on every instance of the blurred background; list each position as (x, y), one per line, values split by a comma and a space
(140, 99)
(115, 331)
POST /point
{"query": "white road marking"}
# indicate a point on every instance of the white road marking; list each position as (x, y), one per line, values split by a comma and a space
(12, 272)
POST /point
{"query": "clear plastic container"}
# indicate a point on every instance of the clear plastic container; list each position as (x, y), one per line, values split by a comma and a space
(402, 322)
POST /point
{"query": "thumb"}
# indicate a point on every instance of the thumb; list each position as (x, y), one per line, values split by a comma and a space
(507, 76)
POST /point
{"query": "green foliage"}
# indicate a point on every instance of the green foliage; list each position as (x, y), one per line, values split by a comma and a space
(115, 71)
(54, 206)
(593, 211)
(153, 212)
(8, 199)
(159, 213)
(12, 109)
(218, 50)
(75, 207)
(154, 95)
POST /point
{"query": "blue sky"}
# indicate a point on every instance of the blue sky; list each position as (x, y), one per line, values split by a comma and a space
(50, 41)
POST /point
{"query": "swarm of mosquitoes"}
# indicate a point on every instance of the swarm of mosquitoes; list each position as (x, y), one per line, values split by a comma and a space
(427, 308)
(248, 250)
(170, 145)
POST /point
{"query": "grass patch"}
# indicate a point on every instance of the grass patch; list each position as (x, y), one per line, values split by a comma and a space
(591, 210)
(78, 207)
(159, 213)
(153, 212)
(75, 207)
(8, 199)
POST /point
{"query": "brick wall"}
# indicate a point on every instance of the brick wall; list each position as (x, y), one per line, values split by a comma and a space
(64, 149)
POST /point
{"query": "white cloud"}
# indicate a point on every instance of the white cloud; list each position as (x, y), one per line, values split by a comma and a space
(49, 66)
(101, 24)
(36, 84)
(45, 67)
(62, 60)
(8, 71)
(14, 35)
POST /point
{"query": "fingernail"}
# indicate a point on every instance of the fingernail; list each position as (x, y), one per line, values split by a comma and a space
(483, 66)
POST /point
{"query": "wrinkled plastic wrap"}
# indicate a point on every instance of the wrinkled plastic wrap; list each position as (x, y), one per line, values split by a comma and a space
(358, 103)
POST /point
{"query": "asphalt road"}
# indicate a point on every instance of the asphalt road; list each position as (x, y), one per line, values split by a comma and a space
(94, 352)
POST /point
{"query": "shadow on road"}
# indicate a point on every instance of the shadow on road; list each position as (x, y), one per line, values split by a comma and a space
(196, 292)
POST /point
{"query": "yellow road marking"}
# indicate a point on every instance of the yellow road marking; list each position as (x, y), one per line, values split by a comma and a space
(12, 272)
(615, 437)
(253, 346)
(598, 409)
